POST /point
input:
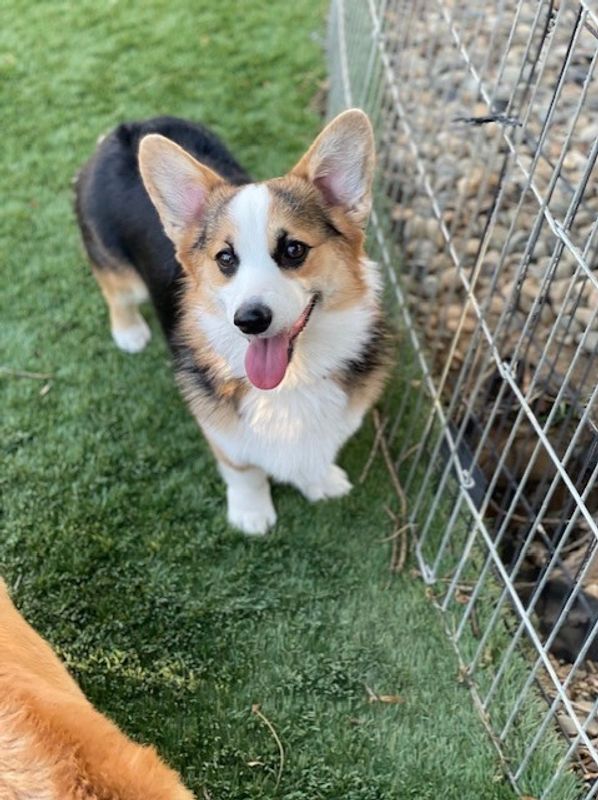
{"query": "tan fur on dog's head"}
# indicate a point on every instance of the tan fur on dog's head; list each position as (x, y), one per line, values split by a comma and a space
(332, 181)
(53, 744)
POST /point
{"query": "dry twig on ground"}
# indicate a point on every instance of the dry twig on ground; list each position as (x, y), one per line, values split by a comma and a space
(400, 535)
(255, 709)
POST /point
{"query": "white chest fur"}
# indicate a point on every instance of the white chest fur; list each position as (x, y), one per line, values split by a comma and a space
(293, 434)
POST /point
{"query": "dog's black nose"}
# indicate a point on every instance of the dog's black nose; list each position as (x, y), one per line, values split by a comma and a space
(253, 318)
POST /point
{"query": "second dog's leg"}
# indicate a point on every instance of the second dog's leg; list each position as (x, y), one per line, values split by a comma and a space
(124, 291)
(248, 496)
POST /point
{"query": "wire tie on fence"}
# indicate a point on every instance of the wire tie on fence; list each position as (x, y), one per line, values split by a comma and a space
(501, 119)
(467, 481)
(508, 370)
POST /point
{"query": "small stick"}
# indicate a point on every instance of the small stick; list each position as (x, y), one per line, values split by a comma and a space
(373, 451)
(400, 543)
(391, 514)
(409, 452)
(372, 696)
(395, 556)
(255, 709)
(21, 373)
(398, 532)
(400, 546)
(473, 621)
(390, 466)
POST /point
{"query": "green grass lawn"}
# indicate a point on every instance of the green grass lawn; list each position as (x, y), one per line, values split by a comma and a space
(113, 516)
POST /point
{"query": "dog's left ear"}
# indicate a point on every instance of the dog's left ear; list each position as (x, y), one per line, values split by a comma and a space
(340, 163)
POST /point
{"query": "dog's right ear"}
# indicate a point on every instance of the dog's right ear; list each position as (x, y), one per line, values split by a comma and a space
(177, 184)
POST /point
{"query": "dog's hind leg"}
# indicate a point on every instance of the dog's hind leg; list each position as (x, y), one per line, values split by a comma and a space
(121, 285)
(123, 291)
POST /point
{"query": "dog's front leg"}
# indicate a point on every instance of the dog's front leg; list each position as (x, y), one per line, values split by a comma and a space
(248, 497)
(333, 482)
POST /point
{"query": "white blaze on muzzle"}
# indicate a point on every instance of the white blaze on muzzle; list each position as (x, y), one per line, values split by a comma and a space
(260, 280)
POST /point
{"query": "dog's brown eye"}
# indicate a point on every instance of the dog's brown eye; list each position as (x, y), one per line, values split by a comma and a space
(290, 253)
(227, 261)
(295, 250)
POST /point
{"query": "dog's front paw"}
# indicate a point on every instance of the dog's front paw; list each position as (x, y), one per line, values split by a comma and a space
(252, 521)
(335, 484)
(134, 338)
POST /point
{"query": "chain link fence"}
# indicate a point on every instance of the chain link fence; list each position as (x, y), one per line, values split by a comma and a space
(486, 220)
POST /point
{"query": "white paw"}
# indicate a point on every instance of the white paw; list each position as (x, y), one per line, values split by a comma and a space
(252, 521)
(134, 338)
(335, 484)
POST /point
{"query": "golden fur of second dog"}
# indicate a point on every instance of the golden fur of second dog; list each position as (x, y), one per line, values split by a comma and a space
(54, 745)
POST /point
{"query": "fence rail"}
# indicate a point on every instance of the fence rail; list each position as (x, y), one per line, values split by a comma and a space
(486, 221)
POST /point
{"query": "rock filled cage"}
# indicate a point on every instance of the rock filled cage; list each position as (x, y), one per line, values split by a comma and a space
(486, 224)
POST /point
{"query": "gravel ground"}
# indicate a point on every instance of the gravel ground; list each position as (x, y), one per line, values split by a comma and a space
(532, 289)
(496, 206)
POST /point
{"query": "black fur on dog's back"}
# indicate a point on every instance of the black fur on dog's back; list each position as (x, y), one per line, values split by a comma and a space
(119, 224)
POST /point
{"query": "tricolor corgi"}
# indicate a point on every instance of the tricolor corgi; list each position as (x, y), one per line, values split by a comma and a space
(264, 291)
(54, 745)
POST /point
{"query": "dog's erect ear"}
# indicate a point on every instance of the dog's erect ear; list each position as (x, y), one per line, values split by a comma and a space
(177, 184)
(341, 164)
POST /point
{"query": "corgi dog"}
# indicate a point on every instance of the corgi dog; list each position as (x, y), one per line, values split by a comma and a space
(270, 305)
(54, 745)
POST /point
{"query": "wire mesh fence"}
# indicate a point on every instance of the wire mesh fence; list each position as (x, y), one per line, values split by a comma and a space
(486, 220)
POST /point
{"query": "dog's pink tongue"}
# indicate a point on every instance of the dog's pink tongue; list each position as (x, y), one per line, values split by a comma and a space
(266, 360)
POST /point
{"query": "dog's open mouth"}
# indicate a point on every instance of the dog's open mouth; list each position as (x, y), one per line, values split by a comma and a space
(267, 359)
